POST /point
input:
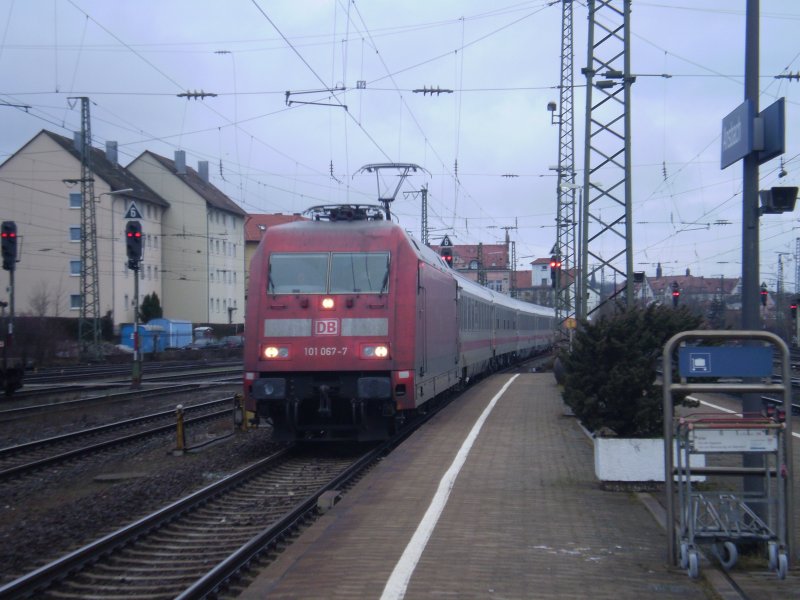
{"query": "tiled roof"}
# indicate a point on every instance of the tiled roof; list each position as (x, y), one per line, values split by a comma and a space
(255, 225)
(494, 255)
(524, 279)
(208, 191)
(115, 175)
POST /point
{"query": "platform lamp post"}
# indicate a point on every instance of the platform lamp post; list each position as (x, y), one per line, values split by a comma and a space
(133, 246)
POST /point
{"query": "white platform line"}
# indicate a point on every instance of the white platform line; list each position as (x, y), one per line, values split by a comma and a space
(397, 584)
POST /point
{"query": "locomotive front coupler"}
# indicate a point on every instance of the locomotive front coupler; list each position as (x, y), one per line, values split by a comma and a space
(324, 401)
(358, 411)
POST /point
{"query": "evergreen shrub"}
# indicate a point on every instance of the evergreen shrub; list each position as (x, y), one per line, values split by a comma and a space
(610, 375)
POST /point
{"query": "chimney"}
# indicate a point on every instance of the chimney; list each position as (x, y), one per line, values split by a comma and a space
(202, 170)
(111, 152)
(180, 162)
(77, 141)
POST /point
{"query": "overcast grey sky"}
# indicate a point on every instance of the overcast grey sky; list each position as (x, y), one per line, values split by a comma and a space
(501, 59)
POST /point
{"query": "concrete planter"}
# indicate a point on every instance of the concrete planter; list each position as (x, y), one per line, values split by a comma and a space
(630, 459)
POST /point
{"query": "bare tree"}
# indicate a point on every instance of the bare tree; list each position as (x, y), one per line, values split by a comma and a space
(58, 298)
(39, 300)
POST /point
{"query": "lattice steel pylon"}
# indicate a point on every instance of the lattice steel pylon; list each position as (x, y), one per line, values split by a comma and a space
(566, 223)
(797, 265)
(606, 220)
(89, 321)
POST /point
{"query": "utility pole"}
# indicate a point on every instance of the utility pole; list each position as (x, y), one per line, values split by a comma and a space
(424, 212)
(89, 320)
(566, 223)
(797, 265)
(751, 403)
(481, 270)
(606, 220)
(513, 283)
(511, 252)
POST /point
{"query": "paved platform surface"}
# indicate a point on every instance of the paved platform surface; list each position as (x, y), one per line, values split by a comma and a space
(525, 517)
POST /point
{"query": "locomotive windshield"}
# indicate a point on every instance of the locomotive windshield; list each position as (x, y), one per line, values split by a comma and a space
(323, 272)
(359, 272)
(298, 273)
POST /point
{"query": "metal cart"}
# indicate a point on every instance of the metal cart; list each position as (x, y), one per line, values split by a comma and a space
(725, 518)
(738, 362)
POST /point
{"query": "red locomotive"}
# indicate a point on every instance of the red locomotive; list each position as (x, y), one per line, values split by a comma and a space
(352, 325)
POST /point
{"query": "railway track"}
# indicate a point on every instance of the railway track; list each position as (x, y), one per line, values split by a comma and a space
(192, 547)
(84, 372)
(25, 458)
(79, 384)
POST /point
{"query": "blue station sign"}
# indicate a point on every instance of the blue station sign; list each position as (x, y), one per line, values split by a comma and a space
(725, 361)
(737, 134)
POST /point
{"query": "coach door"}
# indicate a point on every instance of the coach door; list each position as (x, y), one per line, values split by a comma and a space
(422, 330)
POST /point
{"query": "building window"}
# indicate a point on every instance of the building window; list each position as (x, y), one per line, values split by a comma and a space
(74, 301)
(74, 267)
(75, 200)
(75, 234)
(127, 301)
(155, 273)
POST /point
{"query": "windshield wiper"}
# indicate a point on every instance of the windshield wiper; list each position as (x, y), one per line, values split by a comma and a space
(385, 278)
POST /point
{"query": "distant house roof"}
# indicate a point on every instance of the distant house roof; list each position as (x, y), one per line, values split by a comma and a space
(495, 256)
(255, 225)
(694, 285)
(208, 191)
(524, 279)
(115, 175)
(541, 261)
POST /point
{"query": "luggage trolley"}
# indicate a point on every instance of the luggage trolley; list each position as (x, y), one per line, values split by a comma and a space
(726, 518)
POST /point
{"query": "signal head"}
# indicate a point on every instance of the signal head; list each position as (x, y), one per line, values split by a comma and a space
(8, 235)
(133, 243)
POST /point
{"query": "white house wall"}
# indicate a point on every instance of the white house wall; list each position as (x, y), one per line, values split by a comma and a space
(37, 199)
(203, 250)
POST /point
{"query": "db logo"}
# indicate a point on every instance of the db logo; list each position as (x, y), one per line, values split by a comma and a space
(326, 327)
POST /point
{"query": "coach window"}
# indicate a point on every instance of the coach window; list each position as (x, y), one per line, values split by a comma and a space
(359, 272)
(298, 273)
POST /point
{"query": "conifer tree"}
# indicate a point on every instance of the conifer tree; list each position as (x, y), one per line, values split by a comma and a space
(610, 376)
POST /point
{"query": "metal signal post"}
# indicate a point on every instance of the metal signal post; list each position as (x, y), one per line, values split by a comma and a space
(11, 376)
(133, 246)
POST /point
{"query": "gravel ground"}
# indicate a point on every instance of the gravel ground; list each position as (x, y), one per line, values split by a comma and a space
(43, 516)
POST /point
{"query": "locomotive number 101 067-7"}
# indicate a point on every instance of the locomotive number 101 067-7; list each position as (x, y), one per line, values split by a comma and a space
(324, 351)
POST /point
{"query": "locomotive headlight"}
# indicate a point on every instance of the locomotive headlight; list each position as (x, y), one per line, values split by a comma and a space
(374, 351)
(327, 303)
(276, 352)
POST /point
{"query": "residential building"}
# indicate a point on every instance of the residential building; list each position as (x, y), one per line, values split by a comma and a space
(41, 191)
(486, 264)
(203, 241)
